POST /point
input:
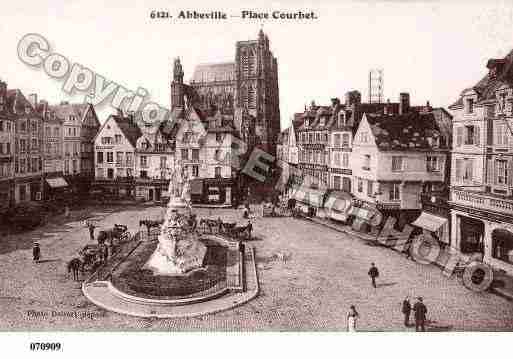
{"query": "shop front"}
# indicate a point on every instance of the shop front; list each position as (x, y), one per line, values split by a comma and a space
(56, 189)
(212, 191)
(436, 226)
(338, 205)
(309, 201)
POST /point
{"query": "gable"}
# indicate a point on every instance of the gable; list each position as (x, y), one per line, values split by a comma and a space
(364, 135)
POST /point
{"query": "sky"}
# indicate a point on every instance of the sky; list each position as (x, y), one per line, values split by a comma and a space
(431, 49)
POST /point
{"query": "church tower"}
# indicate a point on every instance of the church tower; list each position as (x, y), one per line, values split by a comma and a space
(177, 86)
(256, 78)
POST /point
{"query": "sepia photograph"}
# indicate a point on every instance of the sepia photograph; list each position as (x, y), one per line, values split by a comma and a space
(220, 167)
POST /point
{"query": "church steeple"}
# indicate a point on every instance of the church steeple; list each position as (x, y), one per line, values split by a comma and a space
(177, 86)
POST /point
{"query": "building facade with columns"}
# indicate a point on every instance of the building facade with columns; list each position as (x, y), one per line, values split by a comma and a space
(482, 167)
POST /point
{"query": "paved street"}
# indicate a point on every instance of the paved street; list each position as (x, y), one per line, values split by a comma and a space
(309, 276)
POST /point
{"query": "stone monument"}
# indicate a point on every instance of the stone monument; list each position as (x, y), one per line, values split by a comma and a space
(179, 249)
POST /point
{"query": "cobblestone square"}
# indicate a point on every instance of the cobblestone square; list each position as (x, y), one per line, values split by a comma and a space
(309, 276)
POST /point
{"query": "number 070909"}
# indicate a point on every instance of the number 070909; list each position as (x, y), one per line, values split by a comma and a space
(45, 346)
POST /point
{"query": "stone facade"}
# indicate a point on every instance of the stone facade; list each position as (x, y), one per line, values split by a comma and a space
(249, 84)
(482, 162)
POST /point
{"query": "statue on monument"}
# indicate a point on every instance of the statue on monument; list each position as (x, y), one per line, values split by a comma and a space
(179, 249)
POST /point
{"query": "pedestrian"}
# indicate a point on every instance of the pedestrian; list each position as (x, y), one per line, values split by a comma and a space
(373, 274)
(406, 309)
(36, 252)
(91, 227)
(420, 315)
(250, 229)
(352, 316)
(245, 212)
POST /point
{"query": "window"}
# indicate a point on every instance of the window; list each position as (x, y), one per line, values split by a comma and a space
(470, 105)
(110, 157)
(345, 160)
(187, 136)
(143, 174)
(110, 173)
(74, 131)
(195, 171)
(217, 172)
(106, 140)
(99, 157)
(75, 166)
(219, 137)
(467, 175)
(117, 138)
(336, 182)
(501, 134)
(364, 137)
(394, 194)
(35, 164)
(23, 126)
(471, 135)
(336, 140)
(23, 145)
(75, 148)
(366, 162)
(501, 170)
(119, 158)
(144, 161)
(163, 162)
(23, 192)
(129, 172)
(129, 159)
(185, 154)
(345, 140)
(397, 163)
(370, 187)
(66, 166)
(195, 154)
(432, 164)
(56, 131)
(360, 185)
(336, 159)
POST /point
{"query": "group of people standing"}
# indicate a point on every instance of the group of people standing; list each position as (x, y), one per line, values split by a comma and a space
(419, 308)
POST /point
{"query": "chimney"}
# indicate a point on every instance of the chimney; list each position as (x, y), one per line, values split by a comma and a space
(428, 107)
(3, 95)
(386, 109)
(404, 103)
(335, 102)
(32, 98)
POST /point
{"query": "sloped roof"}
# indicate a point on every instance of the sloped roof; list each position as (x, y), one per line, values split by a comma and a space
(129, 128)
(17, 102)
(64, 110)
(213, 72)
(487, 86)
(405, 132)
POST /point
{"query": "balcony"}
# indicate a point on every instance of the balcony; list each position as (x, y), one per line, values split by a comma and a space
(482, 200)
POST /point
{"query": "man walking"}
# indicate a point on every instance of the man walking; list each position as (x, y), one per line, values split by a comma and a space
(91, 228)
(373, 273)
(406, 311)
(420, 315)
(36, 252)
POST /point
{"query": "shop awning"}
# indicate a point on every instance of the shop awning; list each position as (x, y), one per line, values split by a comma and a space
(309, 196)
(57, 182)
(197, 186)
(429, 221)
(338, 201)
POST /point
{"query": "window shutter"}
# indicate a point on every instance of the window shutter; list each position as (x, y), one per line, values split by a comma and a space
(489, 172)
(458, 169)
(459, 135)
(477, 135)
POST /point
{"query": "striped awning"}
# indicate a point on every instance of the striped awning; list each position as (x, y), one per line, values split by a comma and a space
(429, 221)
(57, 182)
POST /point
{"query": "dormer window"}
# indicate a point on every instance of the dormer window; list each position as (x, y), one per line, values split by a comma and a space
(470, 105)
(27, 109)
(341, 119)
(307, 123)
(502, 102)
(322, 121)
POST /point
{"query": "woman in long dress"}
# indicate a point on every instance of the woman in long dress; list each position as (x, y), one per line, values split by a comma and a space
(352, 316)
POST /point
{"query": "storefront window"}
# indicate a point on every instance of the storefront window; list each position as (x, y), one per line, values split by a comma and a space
(472, 233)
(502, 244)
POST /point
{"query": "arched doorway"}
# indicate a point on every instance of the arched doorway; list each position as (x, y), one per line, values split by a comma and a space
(502, 245)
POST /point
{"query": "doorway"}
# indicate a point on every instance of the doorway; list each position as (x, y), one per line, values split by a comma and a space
(150, 194)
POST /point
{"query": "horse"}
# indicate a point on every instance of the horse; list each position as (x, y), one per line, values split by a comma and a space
(75, 266)
(149, 223)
